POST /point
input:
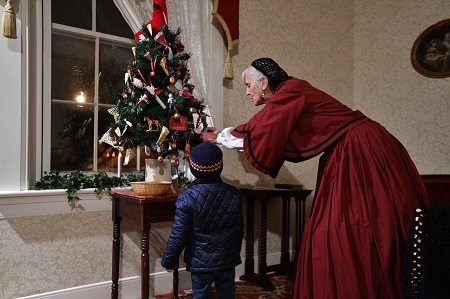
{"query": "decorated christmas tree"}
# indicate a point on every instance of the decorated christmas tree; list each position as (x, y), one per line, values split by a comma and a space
(156, 109)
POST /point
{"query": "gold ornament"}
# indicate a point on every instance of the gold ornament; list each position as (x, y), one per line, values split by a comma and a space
(176, 115)
(148, 56)
(153, 124)
(163, 64)
(160, 159)
(192, 110)
(163, 135)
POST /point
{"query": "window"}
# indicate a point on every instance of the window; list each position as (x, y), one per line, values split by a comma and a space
(89, 47)
(80, 48)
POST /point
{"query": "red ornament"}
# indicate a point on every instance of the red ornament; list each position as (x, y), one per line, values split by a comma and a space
(180, 124)
(176, 160)
(159, 16)
(140, 35)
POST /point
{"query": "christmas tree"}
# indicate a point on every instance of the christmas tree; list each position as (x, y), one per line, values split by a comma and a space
(156, 108)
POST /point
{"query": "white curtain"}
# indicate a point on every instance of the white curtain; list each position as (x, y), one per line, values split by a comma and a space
(135, 12)
(193, 17)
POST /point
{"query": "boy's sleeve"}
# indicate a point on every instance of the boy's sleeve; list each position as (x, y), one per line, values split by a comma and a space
(181, 231)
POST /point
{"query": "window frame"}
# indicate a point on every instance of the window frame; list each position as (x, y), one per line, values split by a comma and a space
(97, 37)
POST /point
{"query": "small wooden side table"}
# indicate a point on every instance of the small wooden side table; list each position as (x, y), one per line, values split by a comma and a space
(146, 210)
(264, 195)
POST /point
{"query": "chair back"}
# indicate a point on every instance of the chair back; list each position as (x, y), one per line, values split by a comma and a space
(426, 265)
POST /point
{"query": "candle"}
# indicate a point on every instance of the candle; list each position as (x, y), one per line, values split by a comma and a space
(113, 158)
(107, 161)
(119, 163)
(138, 158)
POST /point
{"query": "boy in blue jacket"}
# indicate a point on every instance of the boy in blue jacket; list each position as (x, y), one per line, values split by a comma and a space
(208, 225)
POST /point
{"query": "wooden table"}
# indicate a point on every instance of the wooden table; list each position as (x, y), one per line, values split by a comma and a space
(264, 195)
(146, 210)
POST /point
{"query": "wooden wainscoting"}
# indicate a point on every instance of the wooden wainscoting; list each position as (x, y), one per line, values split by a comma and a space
(438, 188)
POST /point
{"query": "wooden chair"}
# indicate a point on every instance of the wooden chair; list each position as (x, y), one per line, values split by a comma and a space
(426, 265)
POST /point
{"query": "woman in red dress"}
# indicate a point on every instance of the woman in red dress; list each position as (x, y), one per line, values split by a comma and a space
(367, 185)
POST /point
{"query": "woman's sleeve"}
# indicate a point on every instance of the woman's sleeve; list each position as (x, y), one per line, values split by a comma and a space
(268, 131)
(226, 139)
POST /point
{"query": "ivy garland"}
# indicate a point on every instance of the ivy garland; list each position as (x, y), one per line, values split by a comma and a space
(77, 180)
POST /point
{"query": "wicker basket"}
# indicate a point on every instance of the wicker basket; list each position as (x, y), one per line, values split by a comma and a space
(150, 188)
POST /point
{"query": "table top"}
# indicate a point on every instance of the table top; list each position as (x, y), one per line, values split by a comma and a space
(147, 198)
(273, 190)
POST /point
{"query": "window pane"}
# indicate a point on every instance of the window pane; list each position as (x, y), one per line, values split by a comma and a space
(107, 155)
(110, 20)
(105, 159)
(73, 13)
(73, 66)
(113, 62)
(72, 138)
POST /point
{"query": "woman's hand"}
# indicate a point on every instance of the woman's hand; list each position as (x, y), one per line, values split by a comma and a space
(210, 134)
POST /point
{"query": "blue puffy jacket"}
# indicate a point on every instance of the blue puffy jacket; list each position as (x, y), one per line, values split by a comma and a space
(209, 225)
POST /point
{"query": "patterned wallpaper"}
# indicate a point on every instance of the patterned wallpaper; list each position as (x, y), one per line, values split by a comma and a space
(312, 40)
(357, 51)
(415, 108)
(47, 253)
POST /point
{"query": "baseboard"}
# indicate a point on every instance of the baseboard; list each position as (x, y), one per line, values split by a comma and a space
(130, 287)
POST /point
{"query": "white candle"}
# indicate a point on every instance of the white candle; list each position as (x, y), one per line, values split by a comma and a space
(138, 158)
(107, 161)
(119, 163)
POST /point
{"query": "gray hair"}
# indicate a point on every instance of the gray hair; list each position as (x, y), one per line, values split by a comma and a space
(255, 75)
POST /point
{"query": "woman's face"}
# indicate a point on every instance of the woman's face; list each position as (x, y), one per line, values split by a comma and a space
(252, 91)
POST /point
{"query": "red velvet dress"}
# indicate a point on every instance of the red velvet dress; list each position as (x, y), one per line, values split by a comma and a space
(367, 189)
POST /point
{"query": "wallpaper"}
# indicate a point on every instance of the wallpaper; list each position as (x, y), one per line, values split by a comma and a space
(358, 51)
(312, 40)
(47, 253)
(411, 106)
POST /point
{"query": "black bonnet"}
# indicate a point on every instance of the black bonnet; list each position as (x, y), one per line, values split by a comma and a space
(274, 73)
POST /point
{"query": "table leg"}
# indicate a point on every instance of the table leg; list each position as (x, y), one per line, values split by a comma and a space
(250, 241)
(285, 258)
(297, 220)
(300, 211)
(145, 267)
(115, 258)
(175, 281)
(263, 279)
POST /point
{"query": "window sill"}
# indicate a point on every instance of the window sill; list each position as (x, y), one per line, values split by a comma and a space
(48, 202)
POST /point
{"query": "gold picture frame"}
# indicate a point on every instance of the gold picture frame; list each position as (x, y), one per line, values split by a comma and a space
(430, 54)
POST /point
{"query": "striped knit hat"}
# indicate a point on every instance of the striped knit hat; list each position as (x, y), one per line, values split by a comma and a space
(206, 160)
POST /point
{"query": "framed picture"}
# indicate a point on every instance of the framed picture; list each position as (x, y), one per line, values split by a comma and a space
(430, 54)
